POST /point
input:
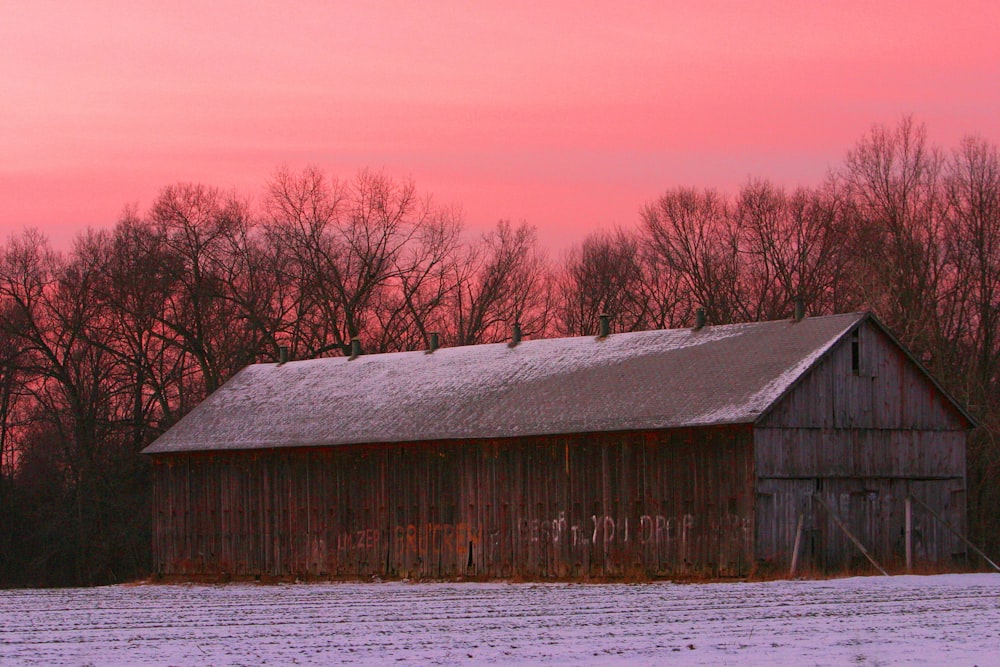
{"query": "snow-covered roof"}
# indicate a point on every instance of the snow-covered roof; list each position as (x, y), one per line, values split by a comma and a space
(629, 381)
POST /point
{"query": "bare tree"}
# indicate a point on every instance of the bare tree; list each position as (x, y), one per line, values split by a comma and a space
(13, 391)
(604, 275)
(893, 178)
(76, 388)
(694, 234)
(302, 213)
(200, 227)
(969, 359)
(797, 246)
(496, 283)
(973, 240)
(366, 255)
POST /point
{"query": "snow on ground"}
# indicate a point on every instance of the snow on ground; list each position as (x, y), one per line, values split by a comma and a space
(909, 620)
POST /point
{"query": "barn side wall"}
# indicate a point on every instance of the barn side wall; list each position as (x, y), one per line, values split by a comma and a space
(606, 505)
(858, 435)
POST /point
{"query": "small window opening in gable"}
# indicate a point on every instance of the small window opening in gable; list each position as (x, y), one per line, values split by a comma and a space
(855, 353)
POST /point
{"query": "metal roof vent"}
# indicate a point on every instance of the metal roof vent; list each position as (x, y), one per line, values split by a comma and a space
(604, 325)
(282, 354)
(435, 342)
(355, 348)
(800, 309)
(515, 335)
(699, 319)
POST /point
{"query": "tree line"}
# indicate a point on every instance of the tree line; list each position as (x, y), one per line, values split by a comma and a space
(105, 346)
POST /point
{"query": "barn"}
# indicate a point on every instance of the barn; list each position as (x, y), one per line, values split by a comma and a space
(712, 451)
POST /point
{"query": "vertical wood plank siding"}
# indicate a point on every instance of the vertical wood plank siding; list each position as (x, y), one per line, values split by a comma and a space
(862, 436)
(872, 508)
(888, 391)
(588, 505)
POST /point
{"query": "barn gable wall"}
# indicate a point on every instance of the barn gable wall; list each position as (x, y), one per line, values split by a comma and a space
(859, 433)
(888, 391)
(614, 504)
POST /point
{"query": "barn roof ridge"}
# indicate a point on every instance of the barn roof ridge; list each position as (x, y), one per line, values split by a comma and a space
(667, 378)
(708, 328)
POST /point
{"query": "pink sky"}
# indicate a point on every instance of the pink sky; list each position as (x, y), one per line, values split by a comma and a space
(569, 115)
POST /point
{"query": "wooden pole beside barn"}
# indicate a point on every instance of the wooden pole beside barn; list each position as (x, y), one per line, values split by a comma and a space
(909, 534)
(795, 547)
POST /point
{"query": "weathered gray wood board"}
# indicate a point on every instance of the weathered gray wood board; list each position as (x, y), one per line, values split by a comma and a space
(862, 430)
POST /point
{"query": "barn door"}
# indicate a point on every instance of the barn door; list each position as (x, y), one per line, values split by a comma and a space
(779, 504)
(932, 541)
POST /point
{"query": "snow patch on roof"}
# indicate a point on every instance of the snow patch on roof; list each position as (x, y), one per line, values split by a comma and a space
(761, 400)
(633, 381)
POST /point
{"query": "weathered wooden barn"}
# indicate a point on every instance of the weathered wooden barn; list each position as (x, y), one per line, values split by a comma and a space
(708, 451)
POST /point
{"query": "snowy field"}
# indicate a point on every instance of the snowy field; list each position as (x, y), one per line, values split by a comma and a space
(938, 620)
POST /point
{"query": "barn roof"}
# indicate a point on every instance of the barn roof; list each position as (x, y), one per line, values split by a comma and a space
(630, 381)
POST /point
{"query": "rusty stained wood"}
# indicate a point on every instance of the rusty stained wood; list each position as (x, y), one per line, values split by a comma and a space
(591, 505)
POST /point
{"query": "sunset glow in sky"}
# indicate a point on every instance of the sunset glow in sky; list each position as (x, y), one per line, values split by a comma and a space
(569, 115)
